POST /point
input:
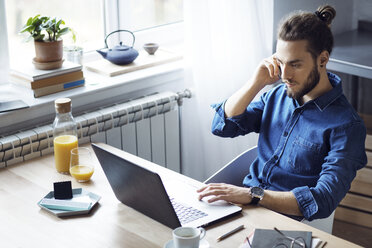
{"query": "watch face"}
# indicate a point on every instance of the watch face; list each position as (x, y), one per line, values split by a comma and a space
(256, 191)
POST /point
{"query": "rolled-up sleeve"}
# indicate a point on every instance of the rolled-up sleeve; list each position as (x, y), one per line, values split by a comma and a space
(218, 122)
(248, 121)
(306, 202)
(346, 156)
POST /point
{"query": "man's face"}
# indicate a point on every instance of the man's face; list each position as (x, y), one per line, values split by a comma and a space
(298, 69)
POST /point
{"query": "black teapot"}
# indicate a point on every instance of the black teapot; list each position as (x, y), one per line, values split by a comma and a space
(119, 55)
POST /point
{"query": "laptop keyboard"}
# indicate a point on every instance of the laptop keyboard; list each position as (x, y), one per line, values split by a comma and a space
(185, 213)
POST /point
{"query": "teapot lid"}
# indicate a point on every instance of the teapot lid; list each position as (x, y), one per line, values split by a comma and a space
(121, 47)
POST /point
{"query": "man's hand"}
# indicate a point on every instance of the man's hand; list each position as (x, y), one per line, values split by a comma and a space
(226, 192)
(268, 72)
(279, 201)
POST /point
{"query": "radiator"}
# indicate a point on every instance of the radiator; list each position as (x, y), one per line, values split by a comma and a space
(148, 127)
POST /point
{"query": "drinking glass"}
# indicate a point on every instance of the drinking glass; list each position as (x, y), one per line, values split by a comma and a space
(81, 164)
(74, 54)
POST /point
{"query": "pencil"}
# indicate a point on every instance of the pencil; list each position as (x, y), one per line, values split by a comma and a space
(230, 233)
(324, 244)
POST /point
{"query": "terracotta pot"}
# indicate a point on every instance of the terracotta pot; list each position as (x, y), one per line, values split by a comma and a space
(48, 51)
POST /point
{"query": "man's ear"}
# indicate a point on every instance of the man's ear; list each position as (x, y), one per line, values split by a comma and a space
(323, 58)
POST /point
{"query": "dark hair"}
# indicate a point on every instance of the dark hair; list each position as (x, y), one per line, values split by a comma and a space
(313, 27)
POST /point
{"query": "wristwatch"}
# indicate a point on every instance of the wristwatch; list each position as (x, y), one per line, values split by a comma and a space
(257, 194)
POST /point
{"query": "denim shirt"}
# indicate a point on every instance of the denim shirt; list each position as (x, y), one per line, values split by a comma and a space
(313, 150)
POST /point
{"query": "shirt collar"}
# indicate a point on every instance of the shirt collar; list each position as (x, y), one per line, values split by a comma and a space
(326, 99)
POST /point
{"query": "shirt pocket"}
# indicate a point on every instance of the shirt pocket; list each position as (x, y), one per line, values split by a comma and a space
(305, 157)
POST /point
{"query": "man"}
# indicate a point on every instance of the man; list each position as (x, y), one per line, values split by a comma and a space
(311, 140)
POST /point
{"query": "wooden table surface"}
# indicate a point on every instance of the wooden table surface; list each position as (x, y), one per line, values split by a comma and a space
(110, 224)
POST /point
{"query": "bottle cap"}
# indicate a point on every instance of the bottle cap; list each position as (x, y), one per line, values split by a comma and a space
(62, 105)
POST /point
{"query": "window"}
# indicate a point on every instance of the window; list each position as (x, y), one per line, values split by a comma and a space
(90, 19)
(142, 14)
(85, 17)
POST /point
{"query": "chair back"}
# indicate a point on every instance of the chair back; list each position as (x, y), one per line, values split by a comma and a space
(235, 171)
(325, 224)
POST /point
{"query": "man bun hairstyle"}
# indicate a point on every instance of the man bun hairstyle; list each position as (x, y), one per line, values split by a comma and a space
(326, 13)
(313, 27)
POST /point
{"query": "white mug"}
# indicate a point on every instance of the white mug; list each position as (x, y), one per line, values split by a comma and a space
(187, 237)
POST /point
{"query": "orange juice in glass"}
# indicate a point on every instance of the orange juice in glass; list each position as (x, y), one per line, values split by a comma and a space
(81, 164)
(62, 149)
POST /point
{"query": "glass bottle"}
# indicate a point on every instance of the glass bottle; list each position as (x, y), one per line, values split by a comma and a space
(64, 135)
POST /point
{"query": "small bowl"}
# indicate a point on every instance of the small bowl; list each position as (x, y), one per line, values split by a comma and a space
(151, 48)
(47, 65)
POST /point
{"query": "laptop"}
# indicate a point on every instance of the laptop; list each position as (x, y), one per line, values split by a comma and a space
(170, 201)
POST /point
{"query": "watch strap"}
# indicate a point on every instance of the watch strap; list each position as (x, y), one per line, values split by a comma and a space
(255, 200)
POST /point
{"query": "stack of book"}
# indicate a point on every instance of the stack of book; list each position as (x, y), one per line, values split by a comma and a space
(45, 82)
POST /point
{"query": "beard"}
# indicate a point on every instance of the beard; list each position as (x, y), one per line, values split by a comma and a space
(311, 81)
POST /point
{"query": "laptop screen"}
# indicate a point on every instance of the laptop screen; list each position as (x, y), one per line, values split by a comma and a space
(137, 187)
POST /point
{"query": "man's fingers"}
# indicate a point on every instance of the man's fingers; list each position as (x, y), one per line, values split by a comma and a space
(225, 192)
(210, 190)
(270, 67)
(214, 192)
(210, 186)
(276, 67)
(217, 198)
(274, 70)
(202, 189)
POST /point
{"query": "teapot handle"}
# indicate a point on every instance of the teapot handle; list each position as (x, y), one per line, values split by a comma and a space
(120, 30)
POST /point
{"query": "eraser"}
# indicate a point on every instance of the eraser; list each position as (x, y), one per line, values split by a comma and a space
(62, 190)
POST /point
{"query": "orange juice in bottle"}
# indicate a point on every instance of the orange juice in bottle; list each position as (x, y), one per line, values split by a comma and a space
(64, 135)
(62, 148)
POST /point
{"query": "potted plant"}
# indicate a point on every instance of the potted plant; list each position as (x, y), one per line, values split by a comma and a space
(46, 32)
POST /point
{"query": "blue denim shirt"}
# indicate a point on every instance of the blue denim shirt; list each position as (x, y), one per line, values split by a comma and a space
(313, 150)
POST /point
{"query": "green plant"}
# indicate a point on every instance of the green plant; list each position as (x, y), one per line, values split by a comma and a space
(44, 28)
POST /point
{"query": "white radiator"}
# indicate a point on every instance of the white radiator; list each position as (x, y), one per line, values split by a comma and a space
(147, 127)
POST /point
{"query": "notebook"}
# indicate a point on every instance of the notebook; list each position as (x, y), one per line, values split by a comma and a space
(270, 238)
(138, 186)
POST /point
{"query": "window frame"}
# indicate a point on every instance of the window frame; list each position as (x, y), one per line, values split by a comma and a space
(159, 34)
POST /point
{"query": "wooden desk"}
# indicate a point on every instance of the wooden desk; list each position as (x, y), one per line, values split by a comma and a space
(111, 223)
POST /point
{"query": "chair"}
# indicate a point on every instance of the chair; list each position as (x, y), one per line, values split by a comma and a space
(235, 171)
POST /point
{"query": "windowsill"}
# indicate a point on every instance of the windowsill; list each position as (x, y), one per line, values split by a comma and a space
(98, 91)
